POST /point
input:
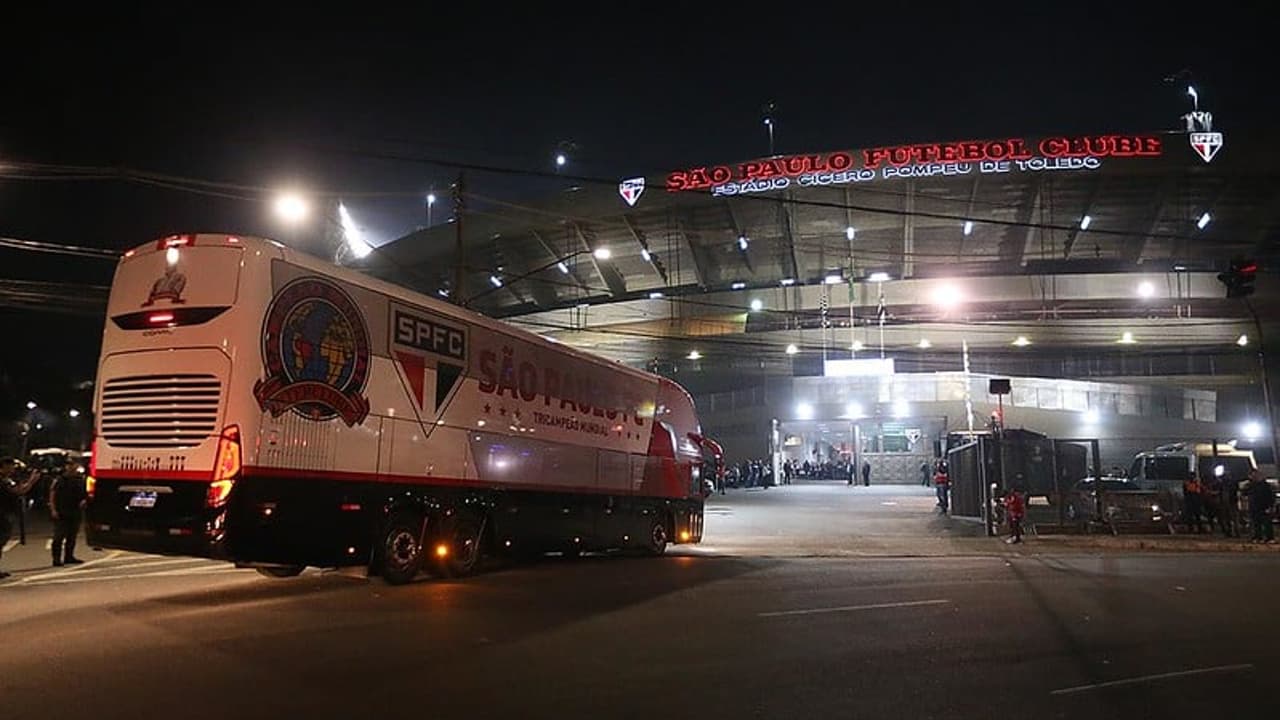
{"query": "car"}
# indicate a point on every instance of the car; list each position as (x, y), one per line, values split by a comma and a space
(1122, 502)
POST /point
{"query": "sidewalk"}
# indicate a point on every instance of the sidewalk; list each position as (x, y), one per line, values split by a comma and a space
(37, 553)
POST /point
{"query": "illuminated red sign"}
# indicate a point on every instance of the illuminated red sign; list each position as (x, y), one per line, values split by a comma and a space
(951, 158)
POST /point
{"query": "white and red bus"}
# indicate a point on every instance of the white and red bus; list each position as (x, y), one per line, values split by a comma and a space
(259, 405)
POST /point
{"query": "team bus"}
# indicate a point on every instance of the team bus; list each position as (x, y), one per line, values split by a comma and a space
(261, 406)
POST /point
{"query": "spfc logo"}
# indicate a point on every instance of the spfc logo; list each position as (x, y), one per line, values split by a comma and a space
(631, 189)
(1206, 144)
(168, 287)
(432, 351)
(315, 347)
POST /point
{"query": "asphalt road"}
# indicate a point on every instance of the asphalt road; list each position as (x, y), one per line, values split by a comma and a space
(718, 634)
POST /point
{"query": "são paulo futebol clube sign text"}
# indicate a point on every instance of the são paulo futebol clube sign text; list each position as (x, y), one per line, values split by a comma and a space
(1062, 153)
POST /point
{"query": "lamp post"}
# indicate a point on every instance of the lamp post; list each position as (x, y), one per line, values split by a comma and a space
(431, 200)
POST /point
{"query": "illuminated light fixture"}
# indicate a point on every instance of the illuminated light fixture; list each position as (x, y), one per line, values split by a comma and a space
(442, 293)
(1252, 430)
(31, 405)
(233, 240)
(1195, 97)
(857, 346)
(171, 256)
(583, 305)
(561, 159)
(1126, 338)
(73, 413)
(878, 277)
(849, 233)
(947, 296)
(833, 279)
(431, 198)
(684, 536)
(804, 411)
(757, 305)
(563, 267)
(738, 285)
(39, 426)
(901, 409)
(968, 227)
(291, 207)
(602, 253)
(924, 344)
(694, 355)
(497, 281)
(481, 423)
(786, 282)
(655, 295)
(1204, 220)
(792, 349)
(1085, 221)
(1021, 341)
(1146, 289)
(353, 234)
(442, 550)
(1243, 340)
(160, 317)
(644, 253)
(853, 410)
(743, 242)
(1091, 417)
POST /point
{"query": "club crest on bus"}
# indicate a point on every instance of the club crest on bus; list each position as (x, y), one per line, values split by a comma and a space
(631, 189)
(315, 347)
(167, 287)
(428, 346)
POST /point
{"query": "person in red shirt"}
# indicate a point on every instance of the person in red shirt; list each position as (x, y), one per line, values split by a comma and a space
(1015, 508)
(942, 486)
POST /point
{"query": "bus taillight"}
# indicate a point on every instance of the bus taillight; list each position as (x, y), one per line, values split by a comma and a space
(91, 481)
(226, 468)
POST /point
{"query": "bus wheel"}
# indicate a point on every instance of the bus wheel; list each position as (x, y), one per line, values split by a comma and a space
(656, 543)
(462, 539)
(401, 551)
(281, 571)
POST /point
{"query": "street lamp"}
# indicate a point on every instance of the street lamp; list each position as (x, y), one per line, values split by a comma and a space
(431, 200)
(31, 404)
(291, 207)
(74, 413)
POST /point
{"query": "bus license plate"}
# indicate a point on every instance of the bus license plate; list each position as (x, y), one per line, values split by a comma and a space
(145, 499)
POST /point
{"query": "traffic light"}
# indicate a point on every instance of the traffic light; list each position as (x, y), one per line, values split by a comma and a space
(1239, 277)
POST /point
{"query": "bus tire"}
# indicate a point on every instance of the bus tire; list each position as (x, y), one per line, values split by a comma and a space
(280, 571)
(655, 541)
(400, 549)
(463, 534)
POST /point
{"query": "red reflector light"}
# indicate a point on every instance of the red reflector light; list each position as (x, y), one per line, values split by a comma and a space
(159, 318)
(175, 241)
(349, 507)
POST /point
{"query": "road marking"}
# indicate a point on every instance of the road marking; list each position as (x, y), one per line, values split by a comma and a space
(160, 574)
(88, 567)
(852, 608)
(10, 545)
(1149, 678)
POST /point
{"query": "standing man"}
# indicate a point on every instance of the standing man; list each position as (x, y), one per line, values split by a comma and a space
(1261, 499)
(15, 481)
(866, 473)
(1015, 508)
(942, 486)
(66, 505)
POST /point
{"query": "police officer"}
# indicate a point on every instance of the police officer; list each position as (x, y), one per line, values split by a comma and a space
(66, 506)
(15, 481)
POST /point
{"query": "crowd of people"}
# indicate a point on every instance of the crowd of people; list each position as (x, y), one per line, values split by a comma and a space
(1209, 500)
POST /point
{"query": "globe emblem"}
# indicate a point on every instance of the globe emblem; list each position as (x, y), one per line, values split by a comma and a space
(318, 345)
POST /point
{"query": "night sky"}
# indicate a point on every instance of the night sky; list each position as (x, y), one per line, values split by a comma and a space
(265, 97)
